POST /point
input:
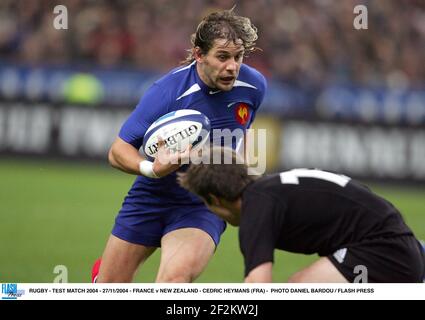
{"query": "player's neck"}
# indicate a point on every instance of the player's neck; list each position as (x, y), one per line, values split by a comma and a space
(235, 208)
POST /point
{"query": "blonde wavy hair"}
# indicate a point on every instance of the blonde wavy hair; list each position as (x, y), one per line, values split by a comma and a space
(223, 25)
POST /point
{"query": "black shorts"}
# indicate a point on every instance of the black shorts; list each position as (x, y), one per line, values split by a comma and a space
(390, 260)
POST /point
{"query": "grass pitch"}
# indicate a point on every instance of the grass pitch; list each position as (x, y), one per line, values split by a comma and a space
(61, 214)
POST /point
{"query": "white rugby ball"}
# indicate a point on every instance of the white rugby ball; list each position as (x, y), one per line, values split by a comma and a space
(178, 129)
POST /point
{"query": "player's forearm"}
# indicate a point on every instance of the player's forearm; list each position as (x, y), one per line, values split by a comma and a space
(125, 157)
(262, 273)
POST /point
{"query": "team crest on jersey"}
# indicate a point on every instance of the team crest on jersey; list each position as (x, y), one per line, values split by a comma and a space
(242, 113)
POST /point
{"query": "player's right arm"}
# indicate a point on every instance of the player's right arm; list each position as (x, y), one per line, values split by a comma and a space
(262, 273)
(126, 157)
(124, 152)
(259, 230)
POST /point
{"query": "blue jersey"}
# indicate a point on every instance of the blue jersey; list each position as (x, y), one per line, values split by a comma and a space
(183, 89)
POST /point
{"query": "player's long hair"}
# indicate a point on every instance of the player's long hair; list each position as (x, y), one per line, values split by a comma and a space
(223, 25)
(222, 173)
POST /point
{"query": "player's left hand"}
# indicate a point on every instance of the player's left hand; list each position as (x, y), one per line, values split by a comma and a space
(168, 161)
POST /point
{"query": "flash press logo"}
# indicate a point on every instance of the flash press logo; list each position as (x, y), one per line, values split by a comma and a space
(10, 291)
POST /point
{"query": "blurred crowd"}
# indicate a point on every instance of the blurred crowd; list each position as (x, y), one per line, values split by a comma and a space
(307, 43)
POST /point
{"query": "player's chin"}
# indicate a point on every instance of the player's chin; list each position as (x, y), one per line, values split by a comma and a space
(225, 85)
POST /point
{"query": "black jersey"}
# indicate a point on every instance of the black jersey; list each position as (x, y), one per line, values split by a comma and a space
(311, 211)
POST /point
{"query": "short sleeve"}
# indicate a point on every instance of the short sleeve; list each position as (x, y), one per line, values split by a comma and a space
(258, 229)
(259, 96)
(261, 91)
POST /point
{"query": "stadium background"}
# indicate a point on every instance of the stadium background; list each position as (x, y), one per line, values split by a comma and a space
(339, 98)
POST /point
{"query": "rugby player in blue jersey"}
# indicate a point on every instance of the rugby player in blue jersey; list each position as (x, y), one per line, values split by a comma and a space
(157, 212)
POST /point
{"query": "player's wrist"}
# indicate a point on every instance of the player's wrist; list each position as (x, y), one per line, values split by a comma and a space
(146, 169)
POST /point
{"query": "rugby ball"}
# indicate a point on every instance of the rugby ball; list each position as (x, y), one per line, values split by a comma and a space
(178, 129)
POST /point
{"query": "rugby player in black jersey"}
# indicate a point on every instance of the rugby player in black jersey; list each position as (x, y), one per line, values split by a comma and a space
(309, 211)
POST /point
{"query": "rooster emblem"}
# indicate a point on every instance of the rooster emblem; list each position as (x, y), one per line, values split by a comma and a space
(242, 113)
